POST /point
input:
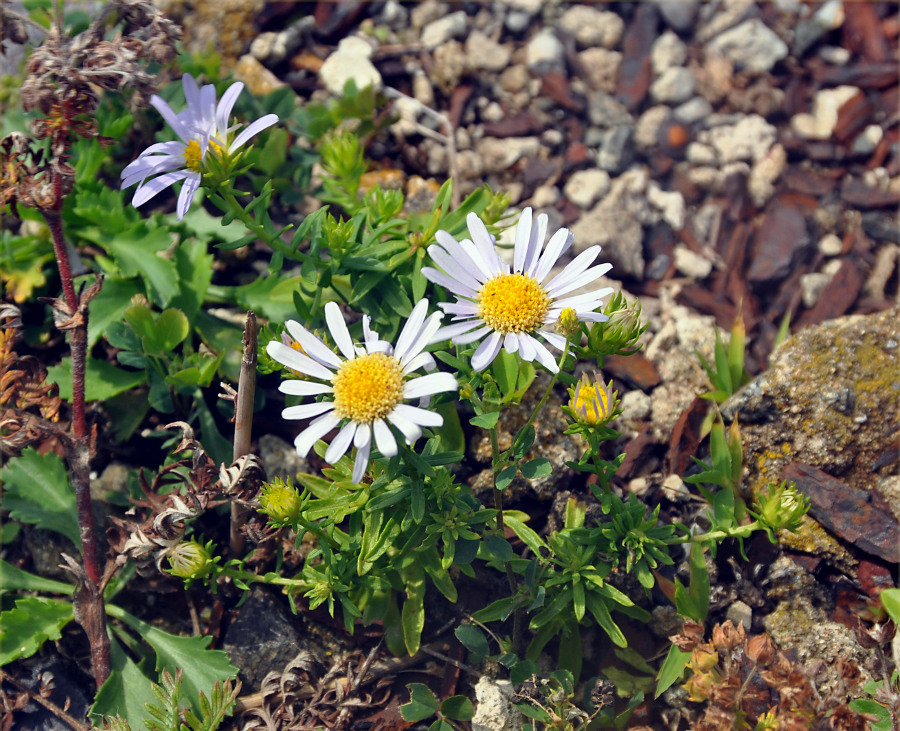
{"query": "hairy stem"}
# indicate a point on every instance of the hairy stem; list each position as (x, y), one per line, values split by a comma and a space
(243, 422)
(498, 464)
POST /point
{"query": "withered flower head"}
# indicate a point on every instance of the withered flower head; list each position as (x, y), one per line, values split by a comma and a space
(691, 635)
(726, 636)
(760, 649)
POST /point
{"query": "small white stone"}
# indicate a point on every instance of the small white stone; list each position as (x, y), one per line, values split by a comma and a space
(752, 46)
(675, 85)
(486, 54)
(690, 263)
(494, 710)
(668, 50)
(350, 60)
(868, 139)
(635, 406)
(699, 154)
(586, 187)
(493, 112)
(443, 29)
(749, 139)
(544, 52)
(422, 90)
(544, 196)
(811, 286)
(670, 203)
(740, 613)
(763, 174)
(500, 154)
(675, 489)
(830, 245)
(601, 68)
(832, 267)
(821, 122)
(835, 55)
(592, 27)
(646, 130)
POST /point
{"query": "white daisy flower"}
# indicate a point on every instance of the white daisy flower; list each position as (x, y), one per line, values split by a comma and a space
(365, 389)
(511, 307)
(202, 125)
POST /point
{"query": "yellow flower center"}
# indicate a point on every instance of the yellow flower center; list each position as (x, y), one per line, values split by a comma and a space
(368, 387)
(590, 403)
(193, 156)
(513, 303)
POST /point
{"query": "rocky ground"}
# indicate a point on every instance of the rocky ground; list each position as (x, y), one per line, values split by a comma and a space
(731, 157)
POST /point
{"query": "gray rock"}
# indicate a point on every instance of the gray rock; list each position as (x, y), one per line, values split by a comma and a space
(811, 286)
(421, 14)
(279, 458)
(749, 139)
(678, 14)
(751, 46)
(544, 52)
(693, 110)
(668, 50)
(671, 205)
(616, 152)
(740, 613)
(499, 154)
(601, 68)
(443, 29)
(494, 709)
(674, 85)
(809, 31)
(646, 131)
(605, 110)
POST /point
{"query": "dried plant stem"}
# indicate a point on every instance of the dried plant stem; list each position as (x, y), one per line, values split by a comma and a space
(243, 422)
(89, 606)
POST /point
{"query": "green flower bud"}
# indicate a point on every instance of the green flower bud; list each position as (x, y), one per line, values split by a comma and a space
(281, 501)
(592, 403)
(190, 560)
(568, 322)
(782, 508)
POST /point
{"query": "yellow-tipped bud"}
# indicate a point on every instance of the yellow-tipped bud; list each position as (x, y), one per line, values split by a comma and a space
(591, 403)
(190, 560)
(568, 322)
(281, 501)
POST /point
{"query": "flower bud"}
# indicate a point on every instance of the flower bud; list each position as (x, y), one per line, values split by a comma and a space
(592, 403)
(568, 322)
(783, 507)
(190, 560)
(704, 658)
(281, 501)
(726, 636)
(760, 649)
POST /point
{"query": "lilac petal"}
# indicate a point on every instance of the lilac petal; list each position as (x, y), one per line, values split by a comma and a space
(314, 348)
(341, 443)
(226, 104)
(426, 333)
(558, 243)
(429, 385)
(481, 258)
(171, 118)
(581, 301)
(448, 332)
(455, 251)
(384, 440)
(362, 454)
(574, 267)
(163, 165)
(510, 343)
(152, 187)
(486, 352)
(317, 429)
(289, 357)
(252, 130)
(186, 196)
(338, 329)
(580, 280)
(454, 268)
(307, 411)
(454, 285)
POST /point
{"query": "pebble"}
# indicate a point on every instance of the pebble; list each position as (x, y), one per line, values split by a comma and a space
(605, 110)
(259, 80)
(500, 154)
(674, 85)
(763, 174)
(749, 139)
(809, 31)
(349, 61)
(544, 52)
(751, 46)
(544, 196)
(835, 55)
(690, 263)
(868, 140)
(615, 152)
(586, 187)
(740, 613)
(821, 122)
(646, 131)
(830, 245)
(601, 68)
(485, 53)
(679, 14)
(443, 29)
(811, 286)
(421, 14)
(693, 110)
(449, 65)
(635, 406)
(670, 203)
(592, 27)
(422, 90)
(668, 50)
(494, 710)
(675, 489)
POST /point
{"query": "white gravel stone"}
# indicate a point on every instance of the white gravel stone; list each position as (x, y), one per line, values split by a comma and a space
(668, 50)
(350, 60)
(751, 46)
(544, 52)
(690, 263)
(592, 27)
(821, 123)
(675, 489)
(674, 85)
(601, 68)
(635, 406)
(646, 131)
(494, 710)
(545, 195)
(830, 245)
(868, 139)
(679, 14)
(443, 29)
(486, 54)
(740, 613)
(586, 187)
(693, 110)
(699, 154)
(670, 203)
(422, 90)
(749, 139)
(499, 154)
(811, 286)
(763, 174)
(835, 55)
(421, 14)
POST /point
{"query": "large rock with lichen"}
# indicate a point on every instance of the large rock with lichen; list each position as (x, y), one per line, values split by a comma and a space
(830, 399)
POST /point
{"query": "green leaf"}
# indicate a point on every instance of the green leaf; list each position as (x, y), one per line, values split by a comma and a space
(874, 708)
(34, 621)
(37, 491)
(486, 421)
(525, 534)
(422, 703)
(109, 306)
(890, 599)
(202, 667)
(601, 613)
(699, 588)
(126, 692)
(102, 380)
(473, 640)
(506, 370)
(412, 616)
(672, 669)
(506, 476)
(136, 253)
(15, 579)
(536, 468)
(458, 707)
(172, 328)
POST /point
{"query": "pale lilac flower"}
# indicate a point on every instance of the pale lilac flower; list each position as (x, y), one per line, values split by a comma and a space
(203, 125)
(364, 389)
(511, 307)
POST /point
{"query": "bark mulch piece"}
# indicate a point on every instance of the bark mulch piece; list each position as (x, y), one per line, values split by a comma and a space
(838, 297)
(686, 436)
(858, 517)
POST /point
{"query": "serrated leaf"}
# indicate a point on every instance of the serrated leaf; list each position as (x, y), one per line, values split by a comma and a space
(33, 621)
(422, 703)
(37, 491)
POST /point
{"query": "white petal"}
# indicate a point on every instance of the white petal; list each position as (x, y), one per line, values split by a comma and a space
(304, 388)
(307, 411)
(314, 348)
(510, 343)
(253, 129)
(581, 280)
(410, 332)
(486, 352)
(457, 253)
(536, 243)
(428, 385)
(523, 238)
(526, 349)
(461, 308)
(574, 268)
(171, 118)
(482, 259)
(338, 329)
(456, 329)
(544, 356)
(341, 443)
(314, 432)
(428, 331)
(448, 282)
(149, 189)
(409, 429)
(484, 243)
(471, 337)
(363, 436)
(588, 300)
(415, 415)
(289, 357)
(421, 360)
(384, 440)
(454, 268)
(555, 339)
(558, 243)
(362, 455)
(186, 196)
(226, 104)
